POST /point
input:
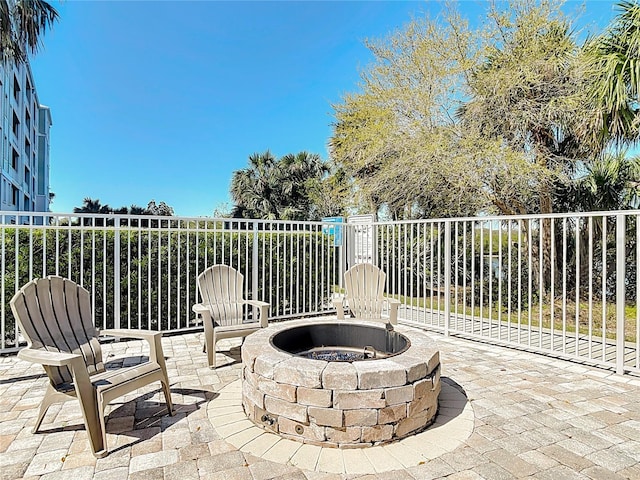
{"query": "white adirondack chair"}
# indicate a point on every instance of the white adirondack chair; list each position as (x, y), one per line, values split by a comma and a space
(55, 317)
(364, 287)
(223, 308)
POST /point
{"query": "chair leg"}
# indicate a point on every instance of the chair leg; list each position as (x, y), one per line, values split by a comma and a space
(211, 352)
(91, 406)
(209, 342)
(49, 399)
(167, 393)
(103, 425)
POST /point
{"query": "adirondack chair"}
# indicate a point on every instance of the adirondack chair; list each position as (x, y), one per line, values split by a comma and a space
(223, 308)
(55, 316)
(364, 287)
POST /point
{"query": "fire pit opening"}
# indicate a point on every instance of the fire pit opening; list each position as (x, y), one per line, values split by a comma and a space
(342, 342)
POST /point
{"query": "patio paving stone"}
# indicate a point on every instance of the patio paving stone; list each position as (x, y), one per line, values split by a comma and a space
(530, 416)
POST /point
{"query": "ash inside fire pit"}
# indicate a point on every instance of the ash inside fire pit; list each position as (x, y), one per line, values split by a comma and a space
(337, 354)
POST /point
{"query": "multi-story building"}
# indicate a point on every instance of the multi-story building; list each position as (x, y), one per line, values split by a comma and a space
(24, 142)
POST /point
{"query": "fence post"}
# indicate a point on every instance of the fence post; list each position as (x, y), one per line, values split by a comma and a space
(254, 263)
(620, 290)
(116, 274)
(447, 276)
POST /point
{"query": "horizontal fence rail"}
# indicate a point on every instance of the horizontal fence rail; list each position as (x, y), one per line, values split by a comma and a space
(562, 284)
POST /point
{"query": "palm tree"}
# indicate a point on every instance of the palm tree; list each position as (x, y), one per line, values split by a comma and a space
(612, 182)
(614, 65)
(255, 190)
(89, 205)
(277, 189)
(22, 24)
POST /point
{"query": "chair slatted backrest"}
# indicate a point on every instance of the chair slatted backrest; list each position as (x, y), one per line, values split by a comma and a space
(55, 314)
(364, 285)
(221, 289)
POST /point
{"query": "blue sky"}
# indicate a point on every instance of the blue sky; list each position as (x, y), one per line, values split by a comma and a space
(164, 100)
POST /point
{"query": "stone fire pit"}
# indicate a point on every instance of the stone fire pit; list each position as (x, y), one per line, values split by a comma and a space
(340, 403)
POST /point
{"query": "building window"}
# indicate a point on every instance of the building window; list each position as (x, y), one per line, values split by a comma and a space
(16, 89)
(16, 124)
(26, 174)
(15, 195)
(14, 159)
(27, 148)
(27, 120)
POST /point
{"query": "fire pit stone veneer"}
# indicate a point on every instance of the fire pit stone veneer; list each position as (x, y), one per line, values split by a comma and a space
(340, 404)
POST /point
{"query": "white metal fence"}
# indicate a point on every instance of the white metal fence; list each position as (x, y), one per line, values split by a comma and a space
(560, 284)
(141, 270)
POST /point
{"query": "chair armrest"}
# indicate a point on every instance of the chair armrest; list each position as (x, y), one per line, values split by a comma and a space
(156, 353)
(45, 357)
(149, 336)
(200, 308)
(257, 303)
(264, 311)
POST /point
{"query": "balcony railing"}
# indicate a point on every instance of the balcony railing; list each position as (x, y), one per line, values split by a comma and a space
(559, 284)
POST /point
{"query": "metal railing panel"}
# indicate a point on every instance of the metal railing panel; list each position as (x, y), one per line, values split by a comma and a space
(563, 284)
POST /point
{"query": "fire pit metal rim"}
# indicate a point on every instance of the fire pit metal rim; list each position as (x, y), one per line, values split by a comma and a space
(369, 326)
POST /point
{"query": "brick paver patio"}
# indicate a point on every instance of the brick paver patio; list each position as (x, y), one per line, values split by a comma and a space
(534, 417)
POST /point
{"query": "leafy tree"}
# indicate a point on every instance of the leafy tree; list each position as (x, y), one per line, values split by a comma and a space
(526, 94)
(22, 24)
(161, 209)
(399, 137)
(332, 194)
(453, 121)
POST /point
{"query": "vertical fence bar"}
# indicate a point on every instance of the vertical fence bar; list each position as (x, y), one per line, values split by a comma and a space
(564, 285)
(447, 276)
(577, 315)
(472, 235)
(3, 313)
(620, 291)
(456, 274)
(116, 275)
(637, 342)
(509, 279)
(590, 305)
(254, 263)
(481, 301)
(552, 297)
(464, 277)
(603, 300)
